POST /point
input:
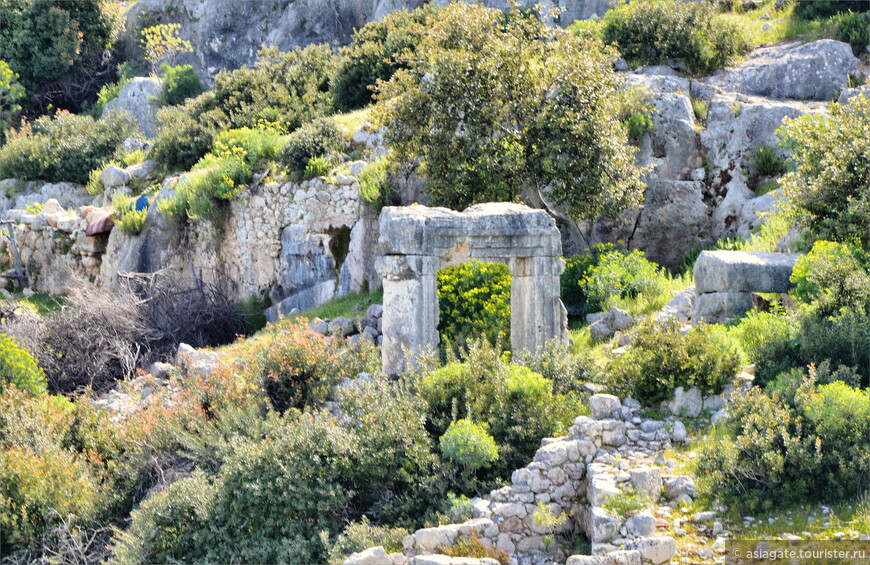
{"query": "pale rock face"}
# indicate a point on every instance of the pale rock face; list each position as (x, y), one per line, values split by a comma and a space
(372, 556)
(657, 549)
(741, 271)
(686, 402)
(817, 70)
(138, 97)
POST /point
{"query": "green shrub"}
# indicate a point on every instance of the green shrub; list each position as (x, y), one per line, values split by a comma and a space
(314, 139)
(832, 276)
(181, 140)
(766, 162)
(317, 167)
(19, 368)
(470, 545)
(661, 358)
(577, 268)
(802, 442)
(651, 33)
(635, 113)
(179, 83)
(818, 9)
(11, 93)
(853, 28)
(63, 147)
(375, 188)
(627, 503)
(567, 371)
(361, 535)
(125, 214)
(700, 108)
(107, 93)
(474, 302)
(517, 404)
(375, 53)
(842, 340)
(469, 445)
(621, 275)
(829, 184)
(253, 146)
(201, 194)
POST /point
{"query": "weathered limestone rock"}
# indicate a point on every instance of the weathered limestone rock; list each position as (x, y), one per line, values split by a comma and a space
(647, 480)
(114, 176)
(718, 307)
(603, 405)
(685, 402)
(742, 271)
(139, 99)
(416, 241)
(818, 70)
(448, 560)
(641, 524)
(657, 549)
(612, 558)
(372, 556)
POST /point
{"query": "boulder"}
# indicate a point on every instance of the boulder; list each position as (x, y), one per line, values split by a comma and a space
(603, 405)
(641, 524)
(680, 306)
(818, 70)
(448, 560)
(52, 206)
(849, 93)
(647, 480)
(620, 557)
(679, 485)
(139, 98)
(719, 307)
(686, 402)
(371, 556)
(114, 176)
(743, 271)
(656, 549)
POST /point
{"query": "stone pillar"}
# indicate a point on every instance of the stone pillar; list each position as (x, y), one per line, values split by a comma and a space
(537, 313)
(410, 320)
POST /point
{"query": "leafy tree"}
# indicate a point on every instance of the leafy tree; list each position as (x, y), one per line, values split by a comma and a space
(11, 92)
(830, 186)
(60, 48)
(500, 107)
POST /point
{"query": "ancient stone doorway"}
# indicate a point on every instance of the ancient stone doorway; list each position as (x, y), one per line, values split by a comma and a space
(416, 241)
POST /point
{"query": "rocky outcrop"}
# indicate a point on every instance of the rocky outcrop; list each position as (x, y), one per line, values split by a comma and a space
(813, 71)
(139, 97)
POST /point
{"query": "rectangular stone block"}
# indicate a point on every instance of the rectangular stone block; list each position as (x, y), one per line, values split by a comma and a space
(742, 271)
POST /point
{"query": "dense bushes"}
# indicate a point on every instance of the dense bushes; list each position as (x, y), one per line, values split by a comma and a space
(826, 8)
(11, 93)
(376, 52)
(829, 184)
(62, 50)
(499, 105)
(375, 188)
(19, 368)
(832, 276)
(179, 83)
(517, 404)
(468, 445)
(662, 358)
(282, 92)
(652, 33)
(312, 140)
(474, 302)
(797, 442)
(63, 147)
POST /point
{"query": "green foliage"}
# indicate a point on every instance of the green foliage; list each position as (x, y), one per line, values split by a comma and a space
(662, 358)
(56, 44)
(281, 92)
(361, 535)
(832, 276)
(853, 28)
(621, 275)
(162, 45)
(314, 139)
(457, 508)
(567, 371)
(253, 146)
(469, 545)
(499, 104)
(11, 93)
(635, 113)
(651, 33)
(179, 83)
(799, 442)
(766, 162)
(474, 302)
(64, 147)
(577, 268)
(125, 214)
(376, 52)
(700, 108)
(317, 167)
(375, 188)
(826, 8)
(829, 186)
(516, 404)
(626, 503)
(19, 368)
(469, 445)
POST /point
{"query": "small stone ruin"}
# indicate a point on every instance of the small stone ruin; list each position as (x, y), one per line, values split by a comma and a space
(417, 241)
(725, 281)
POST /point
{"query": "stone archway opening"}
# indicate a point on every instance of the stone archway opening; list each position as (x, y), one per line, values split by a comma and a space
(417, 241)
